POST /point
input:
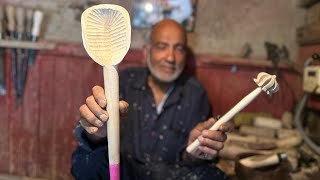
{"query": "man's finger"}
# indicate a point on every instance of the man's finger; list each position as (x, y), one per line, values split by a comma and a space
(89, 116)
(214, 135)
(123, 105)
(96, 109)
(99, 96)
(207, 153)
(87, 126)
(216, 145)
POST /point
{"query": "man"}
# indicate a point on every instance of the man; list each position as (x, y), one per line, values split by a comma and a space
(168, 110)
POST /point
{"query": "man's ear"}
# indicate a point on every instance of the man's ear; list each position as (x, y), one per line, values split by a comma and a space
(145, 54)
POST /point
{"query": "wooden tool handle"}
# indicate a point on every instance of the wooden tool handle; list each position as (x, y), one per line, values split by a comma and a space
(238, 107)
(20, 15)
(37, 20)
(111, 88)
(10, 17)
(29, 15)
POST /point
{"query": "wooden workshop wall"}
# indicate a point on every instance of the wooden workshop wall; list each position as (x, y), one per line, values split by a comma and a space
(222, 27)
(37, 137)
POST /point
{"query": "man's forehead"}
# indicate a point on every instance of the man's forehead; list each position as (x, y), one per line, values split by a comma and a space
(168, 31)
(169, 36)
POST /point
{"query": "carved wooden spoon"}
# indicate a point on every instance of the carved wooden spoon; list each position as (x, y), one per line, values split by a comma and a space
(106, 34)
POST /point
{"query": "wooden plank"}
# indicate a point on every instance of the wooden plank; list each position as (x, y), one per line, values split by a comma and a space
(17, 134)
(63, 92)
(30, 124)
(12, 177)
(221, 85)
(27, 44)
(24, 122)
(46, 115)
(4, 121)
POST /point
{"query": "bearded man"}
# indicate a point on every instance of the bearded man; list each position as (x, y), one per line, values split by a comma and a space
(168, 110)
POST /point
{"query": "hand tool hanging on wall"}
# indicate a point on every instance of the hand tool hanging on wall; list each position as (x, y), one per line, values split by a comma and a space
(37, 20)
(20, 15)
(11, 30)
(28, 27)
(2, 65)
(29, 17)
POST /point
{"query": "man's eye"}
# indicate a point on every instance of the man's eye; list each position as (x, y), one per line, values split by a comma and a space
(180, 48)
(161, 46)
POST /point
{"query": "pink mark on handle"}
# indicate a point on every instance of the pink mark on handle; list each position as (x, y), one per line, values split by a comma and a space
(114, 170)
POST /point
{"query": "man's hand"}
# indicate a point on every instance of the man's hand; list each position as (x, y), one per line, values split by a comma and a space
(211, 141)
(93, 114)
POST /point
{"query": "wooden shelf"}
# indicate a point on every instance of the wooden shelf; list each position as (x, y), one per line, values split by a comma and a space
(213, 60)
(27, 44)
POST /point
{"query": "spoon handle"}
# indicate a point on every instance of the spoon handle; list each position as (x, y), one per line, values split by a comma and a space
(238, 107)
(111, 89)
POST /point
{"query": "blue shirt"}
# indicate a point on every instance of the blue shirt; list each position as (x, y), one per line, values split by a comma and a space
(151, 143)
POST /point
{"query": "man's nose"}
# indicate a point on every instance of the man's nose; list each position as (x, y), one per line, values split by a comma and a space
(170, 55)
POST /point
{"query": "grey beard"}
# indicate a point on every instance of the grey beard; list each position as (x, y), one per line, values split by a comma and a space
(156, 75)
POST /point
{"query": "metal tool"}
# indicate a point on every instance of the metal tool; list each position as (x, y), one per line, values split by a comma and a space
(20, 16)
(37, 20)
(27, 36)
(11, 29)
(2, 65)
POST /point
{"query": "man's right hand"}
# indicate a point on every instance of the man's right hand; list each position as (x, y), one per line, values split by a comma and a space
(93, 114)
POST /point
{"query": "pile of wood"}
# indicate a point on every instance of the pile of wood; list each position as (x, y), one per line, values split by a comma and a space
(309, 33)
(267, 136)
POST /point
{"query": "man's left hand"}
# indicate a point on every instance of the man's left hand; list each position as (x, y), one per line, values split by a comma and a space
(211, 141)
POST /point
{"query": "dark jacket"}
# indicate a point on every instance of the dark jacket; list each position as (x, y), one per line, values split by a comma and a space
(151, 143)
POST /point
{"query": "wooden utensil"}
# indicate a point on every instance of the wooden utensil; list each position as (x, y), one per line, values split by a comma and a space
(265, 81)
(106, 34)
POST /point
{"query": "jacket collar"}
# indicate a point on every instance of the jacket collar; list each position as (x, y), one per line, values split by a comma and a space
(177, 93)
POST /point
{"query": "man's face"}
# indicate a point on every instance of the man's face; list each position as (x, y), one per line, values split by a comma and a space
(166, 56)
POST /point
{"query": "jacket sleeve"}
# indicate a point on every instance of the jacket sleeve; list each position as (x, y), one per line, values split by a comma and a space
(89, 162)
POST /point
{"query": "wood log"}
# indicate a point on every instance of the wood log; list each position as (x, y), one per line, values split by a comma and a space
(290, 141)
(287, 120)
(252, 142)
(266, 122)
(258, 161)
(233, 151)
(284, 133)
(257, 131)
